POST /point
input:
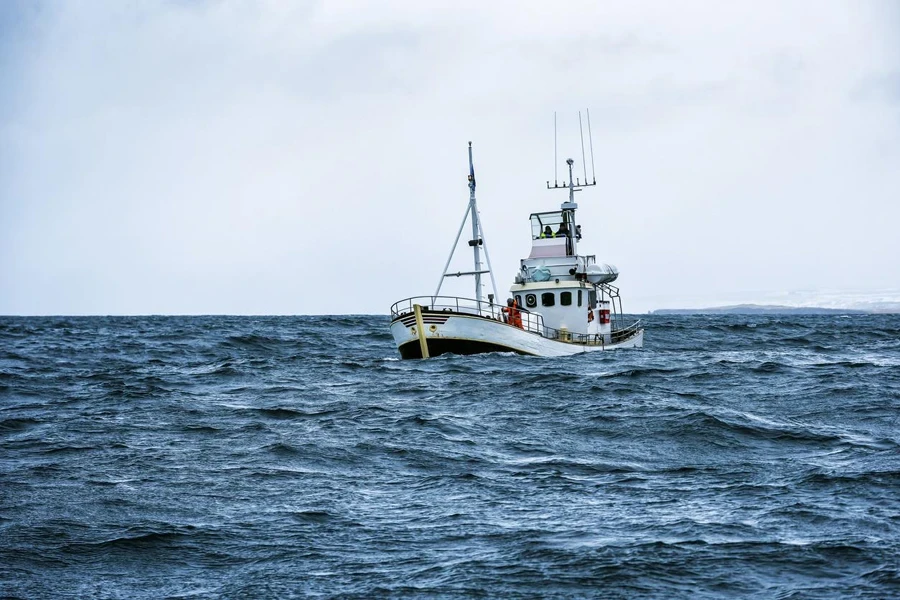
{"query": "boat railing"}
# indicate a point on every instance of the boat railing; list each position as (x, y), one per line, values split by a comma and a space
(592, 339)
(531, 322)
(619, 335)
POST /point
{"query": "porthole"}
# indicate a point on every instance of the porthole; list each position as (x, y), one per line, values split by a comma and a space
(565, 298)
(519, 299)
(530, 300)
(433, 328)
(548, 299)
(579, 297)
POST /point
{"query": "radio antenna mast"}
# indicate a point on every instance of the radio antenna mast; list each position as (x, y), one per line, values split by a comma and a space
(583, 161)
(555, 160)
(591, 140)
(573, 185)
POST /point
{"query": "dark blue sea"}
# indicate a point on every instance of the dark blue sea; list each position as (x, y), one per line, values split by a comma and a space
(282, 457)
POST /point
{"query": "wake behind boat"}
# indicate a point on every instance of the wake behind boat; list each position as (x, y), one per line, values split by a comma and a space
(561, 303)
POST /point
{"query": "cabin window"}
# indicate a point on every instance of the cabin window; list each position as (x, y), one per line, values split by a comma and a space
(519, 299)
(530, 300)
(579, 297)
(565, 298)
(548, 299)
(592, 298)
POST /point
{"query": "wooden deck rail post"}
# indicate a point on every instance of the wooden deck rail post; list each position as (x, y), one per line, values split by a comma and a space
(420, 329)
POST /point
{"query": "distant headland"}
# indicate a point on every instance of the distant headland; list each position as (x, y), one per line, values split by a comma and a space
(775, 309)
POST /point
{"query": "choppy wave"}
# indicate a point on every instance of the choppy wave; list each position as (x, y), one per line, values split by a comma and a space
(209, 457)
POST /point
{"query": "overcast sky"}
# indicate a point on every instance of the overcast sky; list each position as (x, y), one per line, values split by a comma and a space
(299, 158)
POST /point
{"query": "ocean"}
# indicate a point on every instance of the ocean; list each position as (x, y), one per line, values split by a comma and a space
(281, 457)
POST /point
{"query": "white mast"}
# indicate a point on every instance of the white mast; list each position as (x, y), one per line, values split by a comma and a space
(476, 242)
(477, 239)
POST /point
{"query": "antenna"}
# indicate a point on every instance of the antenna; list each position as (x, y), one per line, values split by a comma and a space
(591, 140)
(573, 184)
(583, 161)
(555, 160)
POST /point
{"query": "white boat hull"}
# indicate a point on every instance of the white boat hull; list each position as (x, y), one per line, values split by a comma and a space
(471, 334)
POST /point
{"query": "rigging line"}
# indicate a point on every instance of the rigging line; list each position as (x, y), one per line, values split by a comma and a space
(487, 257)
(555, 160)
(453, 249)
(581, 131)
(591, 140)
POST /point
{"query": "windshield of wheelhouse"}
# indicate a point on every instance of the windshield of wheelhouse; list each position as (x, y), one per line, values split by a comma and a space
(551, 224)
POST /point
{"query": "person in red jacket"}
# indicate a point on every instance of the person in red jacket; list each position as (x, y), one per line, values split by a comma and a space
(513, 314)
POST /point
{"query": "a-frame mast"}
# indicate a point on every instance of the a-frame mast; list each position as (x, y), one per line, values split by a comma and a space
(477, 242)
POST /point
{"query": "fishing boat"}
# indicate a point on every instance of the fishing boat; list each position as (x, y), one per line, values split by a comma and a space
(560, 303)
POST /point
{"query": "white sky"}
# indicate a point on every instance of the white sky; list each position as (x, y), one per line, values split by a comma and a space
(296, 158)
